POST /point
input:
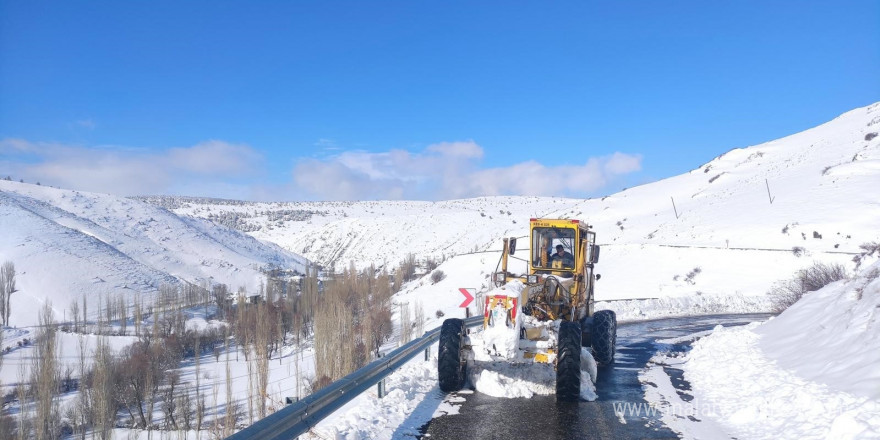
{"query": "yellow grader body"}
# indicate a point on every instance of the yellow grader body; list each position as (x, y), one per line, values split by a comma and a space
(557, 286)
(544, 315)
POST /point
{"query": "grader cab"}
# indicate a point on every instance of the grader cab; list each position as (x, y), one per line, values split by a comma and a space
(544, 315)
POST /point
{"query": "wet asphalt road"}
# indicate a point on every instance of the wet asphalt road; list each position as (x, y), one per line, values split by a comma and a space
(541, 417)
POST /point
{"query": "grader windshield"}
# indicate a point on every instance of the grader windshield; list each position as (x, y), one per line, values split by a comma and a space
(553, 248)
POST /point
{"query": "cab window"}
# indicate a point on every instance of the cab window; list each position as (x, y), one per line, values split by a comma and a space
(545, 242)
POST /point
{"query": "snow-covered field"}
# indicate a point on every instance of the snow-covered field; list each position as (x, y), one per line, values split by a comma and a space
(742, 222)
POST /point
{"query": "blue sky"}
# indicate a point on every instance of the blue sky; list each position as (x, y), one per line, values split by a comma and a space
(414, 99)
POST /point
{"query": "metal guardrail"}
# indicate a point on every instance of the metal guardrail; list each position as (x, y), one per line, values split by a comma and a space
(297, 418)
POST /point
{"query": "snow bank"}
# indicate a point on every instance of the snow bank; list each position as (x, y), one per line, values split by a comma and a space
(812, 372)
(831, 336)
(413, 399)
(699, 304)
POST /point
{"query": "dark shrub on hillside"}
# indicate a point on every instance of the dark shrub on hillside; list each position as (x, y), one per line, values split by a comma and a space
(813, 278)
(437, 276)
(868, 250)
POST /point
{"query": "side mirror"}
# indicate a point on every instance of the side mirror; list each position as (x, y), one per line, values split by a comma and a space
(598, 277)
(512, 246)
(594, 258)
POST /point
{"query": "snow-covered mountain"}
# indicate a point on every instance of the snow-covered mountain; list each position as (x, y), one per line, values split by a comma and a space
(380, 232)
(777, 205)
(69, 244)
(720, 249)
(822, 181)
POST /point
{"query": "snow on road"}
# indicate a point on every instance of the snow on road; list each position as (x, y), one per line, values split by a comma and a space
(412, 399)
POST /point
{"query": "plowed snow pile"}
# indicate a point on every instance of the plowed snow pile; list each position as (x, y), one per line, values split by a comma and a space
(812, 372)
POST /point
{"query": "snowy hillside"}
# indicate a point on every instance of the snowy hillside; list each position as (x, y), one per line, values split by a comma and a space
(375, 232)
(723, 230)
(68, 244)
(811, 372)
(719, 250)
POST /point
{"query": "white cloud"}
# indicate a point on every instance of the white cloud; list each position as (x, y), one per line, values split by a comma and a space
(127, 171)
(620, 163)
(15, 146)
(450, 170)
(467, 149)
(215, 157)
(87, 124)
(446, 170)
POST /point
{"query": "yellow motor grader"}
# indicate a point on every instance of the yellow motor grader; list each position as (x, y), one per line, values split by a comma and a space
(545, 315)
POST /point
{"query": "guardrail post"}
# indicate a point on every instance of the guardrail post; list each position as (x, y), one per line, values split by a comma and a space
(380, 387)
(427, 353)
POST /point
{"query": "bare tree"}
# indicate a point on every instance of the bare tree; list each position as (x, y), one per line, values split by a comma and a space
(110, 312)
(103, 403)
(185, 410)
(198, 358)
(334, 335)
(6, 424)
(215, 425)
(138, 315)
(122, 314)
(139, 369)
(263, 339)
(45, 376)
(419, 319)
(74, 310)
(85, 312)
(405, 272)
(200, 411)
(229, 418)
(76, 416)
(24, 429)
(82, 411)
(7, 288)
(169, 404)
(405, 324)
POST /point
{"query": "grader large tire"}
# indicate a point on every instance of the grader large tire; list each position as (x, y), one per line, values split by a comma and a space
(568, 362)
(604, 336)
(451, 367)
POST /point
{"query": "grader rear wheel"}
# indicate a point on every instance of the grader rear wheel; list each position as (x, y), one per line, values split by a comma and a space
(604, 336)
(451, 367)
